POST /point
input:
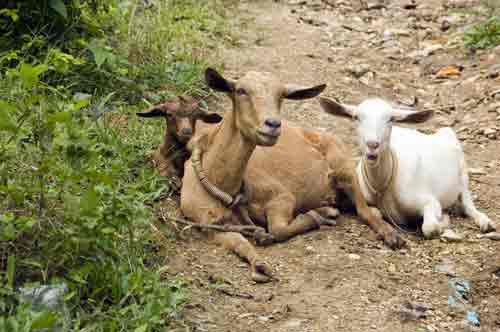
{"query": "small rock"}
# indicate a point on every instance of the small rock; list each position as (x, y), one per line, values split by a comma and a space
(450, 236)
(446, 267)
(359, 70)
(309, 249)
(445, 25)
(491, 133)
(354, 256)
(293, 323)
(429, 50)
(410, 5)
(477, 171)
(493, 71)
(494, 108)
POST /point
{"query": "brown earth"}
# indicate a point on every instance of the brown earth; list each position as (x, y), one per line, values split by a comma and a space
(342, 278)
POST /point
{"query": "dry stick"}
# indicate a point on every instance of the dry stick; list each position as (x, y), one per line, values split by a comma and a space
(244, 230)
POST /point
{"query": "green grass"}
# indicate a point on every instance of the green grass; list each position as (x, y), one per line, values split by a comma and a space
(486, 32)
(77, 192)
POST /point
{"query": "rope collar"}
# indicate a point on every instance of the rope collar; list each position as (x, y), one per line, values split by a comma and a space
(237, 203)
(384, 193)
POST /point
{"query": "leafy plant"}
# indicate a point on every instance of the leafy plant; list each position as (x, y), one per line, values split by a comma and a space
(76, 188)
(484, 34)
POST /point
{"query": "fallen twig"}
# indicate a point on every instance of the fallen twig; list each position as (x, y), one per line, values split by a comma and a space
(235, 294)
(250, 231)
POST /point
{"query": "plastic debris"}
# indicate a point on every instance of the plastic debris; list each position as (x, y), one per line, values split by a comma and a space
(460, 301)
(473, 318)
(45, 297)
(48, 297)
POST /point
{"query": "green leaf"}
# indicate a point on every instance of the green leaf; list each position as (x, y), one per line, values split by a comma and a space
(11, 271)
(30, 74)
(89, 201)
(59, 7)
(43, 320)
(60, 117)
(6, 123)
(142, 328)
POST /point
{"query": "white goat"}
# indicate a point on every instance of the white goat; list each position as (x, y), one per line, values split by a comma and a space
(405, 173)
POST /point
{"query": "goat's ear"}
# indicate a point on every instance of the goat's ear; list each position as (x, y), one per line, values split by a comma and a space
(210, 117)
(332, 107)
(297, 92)
(409, 116)
(217, 82)
(152, 113)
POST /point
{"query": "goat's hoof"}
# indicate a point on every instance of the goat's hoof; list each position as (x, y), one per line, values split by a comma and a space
(486, 225)
(261, 272)
(431, 231)
(263, 238)
(393, 240)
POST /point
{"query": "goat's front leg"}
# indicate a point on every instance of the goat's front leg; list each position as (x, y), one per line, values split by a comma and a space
(283, 226)
(261, 271)
(433, 214)
(374, 219)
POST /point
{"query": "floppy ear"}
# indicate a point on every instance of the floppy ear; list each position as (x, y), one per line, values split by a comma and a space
(209, 117)
(297, 92)
(217, 82)
(153, 112)
(332, 107)
(409, 116)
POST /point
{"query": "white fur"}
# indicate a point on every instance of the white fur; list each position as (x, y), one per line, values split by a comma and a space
(432, 172)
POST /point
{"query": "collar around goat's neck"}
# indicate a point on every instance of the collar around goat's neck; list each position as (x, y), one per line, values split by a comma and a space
(226, 160)
(380, 177)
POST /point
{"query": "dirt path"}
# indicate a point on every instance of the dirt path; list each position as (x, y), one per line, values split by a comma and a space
(342, 279)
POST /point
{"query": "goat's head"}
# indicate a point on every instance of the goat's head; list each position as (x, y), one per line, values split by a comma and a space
(257, 99)
(374, 118)
(181, 114)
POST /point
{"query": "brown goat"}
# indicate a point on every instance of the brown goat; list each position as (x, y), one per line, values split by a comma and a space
(289, 173)
(181, 115)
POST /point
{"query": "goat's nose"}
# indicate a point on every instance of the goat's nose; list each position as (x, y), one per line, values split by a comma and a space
(187, 131)
(372, 144)
(273, 123)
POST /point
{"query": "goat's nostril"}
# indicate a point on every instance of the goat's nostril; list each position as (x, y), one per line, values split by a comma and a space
(187, 131)
(373, 145)
(273, 123)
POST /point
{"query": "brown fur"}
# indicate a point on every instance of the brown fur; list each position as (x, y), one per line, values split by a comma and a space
(284, 181)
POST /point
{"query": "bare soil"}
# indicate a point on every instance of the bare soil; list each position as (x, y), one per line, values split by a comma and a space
(342, 278)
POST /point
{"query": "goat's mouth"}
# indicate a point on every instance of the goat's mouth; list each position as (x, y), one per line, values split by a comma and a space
(267, 138)
(371, 157)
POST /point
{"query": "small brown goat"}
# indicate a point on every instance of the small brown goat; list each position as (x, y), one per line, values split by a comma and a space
(290, 174)
(181, 115)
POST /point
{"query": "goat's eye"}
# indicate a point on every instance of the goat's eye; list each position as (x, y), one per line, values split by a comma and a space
(241, 92)
(355, 118)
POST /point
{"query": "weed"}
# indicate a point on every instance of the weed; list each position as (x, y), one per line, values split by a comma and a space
(76, 189)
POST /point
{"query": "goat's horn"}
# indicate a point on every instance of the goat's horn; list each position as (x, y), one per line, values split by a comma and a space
(226, 199)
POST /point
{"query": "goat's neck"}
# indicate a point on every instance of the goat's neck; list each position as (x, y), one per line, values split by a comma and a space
(226, 160)
(379, 175)
(171, 146)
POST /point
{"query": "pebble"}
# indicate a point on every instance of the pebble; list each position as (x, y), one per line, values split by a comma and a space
(451, 236)
(354, 256)
(491, 133)
(477, 171)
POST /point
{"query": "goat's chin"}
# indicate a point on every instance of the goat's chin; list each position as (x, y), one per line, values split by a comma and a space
(266, 140)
